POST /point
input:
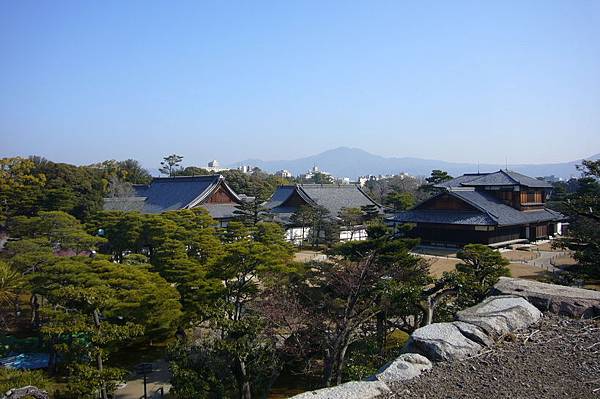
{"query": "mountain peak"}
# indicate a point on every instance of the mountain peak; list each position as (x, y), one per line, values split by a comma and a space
(353, 162)
(345, 150)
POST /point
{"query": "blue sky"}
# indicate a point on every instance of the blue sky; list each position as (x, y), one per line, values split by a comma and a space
(453, 80)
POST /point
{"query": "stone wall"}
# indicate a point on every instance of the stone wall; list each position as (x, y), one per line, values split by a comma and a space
(515, 305)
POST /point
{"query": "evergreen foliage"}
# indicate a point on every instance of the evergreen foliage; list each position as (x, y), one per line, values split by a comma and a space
(583, 209)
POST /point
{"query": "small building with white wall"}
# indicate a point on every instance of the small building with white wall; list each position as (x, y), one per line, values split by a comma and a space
(334, 198)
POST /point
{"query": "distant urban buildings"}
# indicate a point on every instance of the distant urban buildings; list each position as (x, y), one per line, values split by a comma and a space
(215, 167)
(313, 171)
(552, 179)
(284, 173)
(362, 180)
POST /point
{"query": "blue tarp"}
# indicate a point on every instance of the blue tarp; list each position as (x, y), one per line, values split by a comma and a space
(26, 361)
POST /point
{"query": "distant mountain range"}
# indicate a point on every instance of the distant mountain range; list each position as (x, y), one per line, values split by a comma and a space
(354, 162)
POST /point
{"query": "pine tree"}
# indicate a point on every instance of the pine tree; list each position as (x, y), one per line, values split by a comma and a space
(93, 307)
(251, 211)
(170, 165)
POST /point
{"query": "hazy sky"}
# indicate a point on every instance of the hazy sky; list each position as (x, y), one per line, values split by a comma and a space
(458, 81)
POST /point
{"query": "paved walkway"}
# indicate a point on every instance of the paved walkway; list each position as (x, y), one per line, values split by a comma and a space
(158, 378)
(544, 260)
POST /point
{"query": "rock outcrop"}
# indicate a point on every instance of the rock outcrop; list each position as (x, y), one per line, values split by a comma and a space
(562, 300)
(474, 333)
(405, 367)
(349, 390)
(499, 315)
(477, 327)
(442, 342)
(26, 392)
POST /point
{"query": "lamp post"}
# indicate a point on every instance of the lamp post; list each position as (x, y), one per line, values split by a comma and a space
(144, 369)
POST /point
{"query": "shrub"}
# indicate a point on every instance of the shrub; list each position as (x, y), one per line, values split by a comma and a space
(10, 379)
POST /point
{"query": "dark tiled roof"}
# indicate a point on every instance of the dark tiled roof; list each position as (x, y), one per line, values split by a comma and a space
(492, 211)
(499, 178)
(124, 204)
(171, 193)
(220, 211)
(501, 213)
(444, 217)
(167, 194)
(281, 194)
(460, 180)
(332, 197)
(283, 214)
(528, 181)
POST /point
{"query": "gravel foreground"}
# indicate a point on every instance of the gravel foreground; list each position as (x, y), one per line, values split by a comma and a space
(556, 358)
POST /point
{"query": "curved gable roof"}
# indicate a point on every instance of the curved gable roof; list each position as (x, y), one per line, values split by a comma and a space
(171, 193)
(460, 180)
(283, 193)
(492, 211)
(334, 197)
(499, 178)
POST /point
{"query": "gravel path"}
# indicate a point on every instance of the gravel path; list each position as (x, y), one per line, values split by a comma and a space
(558, 358)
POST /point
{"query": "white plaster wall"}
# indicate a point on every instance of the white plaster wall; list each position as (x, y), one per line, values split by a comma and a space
(295, 236)
(356, 235)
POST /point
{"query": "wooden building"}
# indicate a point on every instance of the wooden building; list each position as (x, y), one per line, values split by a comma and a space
(172, 193)
(488, 208)
(334, 197)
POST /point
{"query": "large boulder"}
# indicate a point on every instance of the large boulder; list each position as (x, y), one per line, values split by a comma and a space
(407, 366)
(567, 301)
(474, 333)
(498, 315)
(442, 342)
(26, 392)
(349, 390)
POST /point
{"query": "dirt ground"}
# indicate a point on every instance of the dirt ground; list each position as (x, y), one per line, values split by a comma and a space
(439, 265)
(520, 255)
(308, 255)
(547, 246)
(564, 260)
(519, 270)
(558, 358)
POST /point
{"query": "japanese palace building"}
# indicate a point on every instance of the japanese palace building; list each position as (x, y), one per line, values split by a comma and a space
(334, 197)
(488, 208)
(172, 193)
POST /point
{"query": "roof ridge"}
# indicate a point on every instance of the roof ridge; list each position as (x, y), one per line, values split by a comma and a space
(305, 195)
(328, 185)
(210, 190)
(195, 177)
(505, 173)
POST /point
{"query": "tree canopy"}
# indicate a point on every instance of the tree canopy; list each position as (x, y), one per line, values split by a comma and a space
(583, 208)
(170, 165)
